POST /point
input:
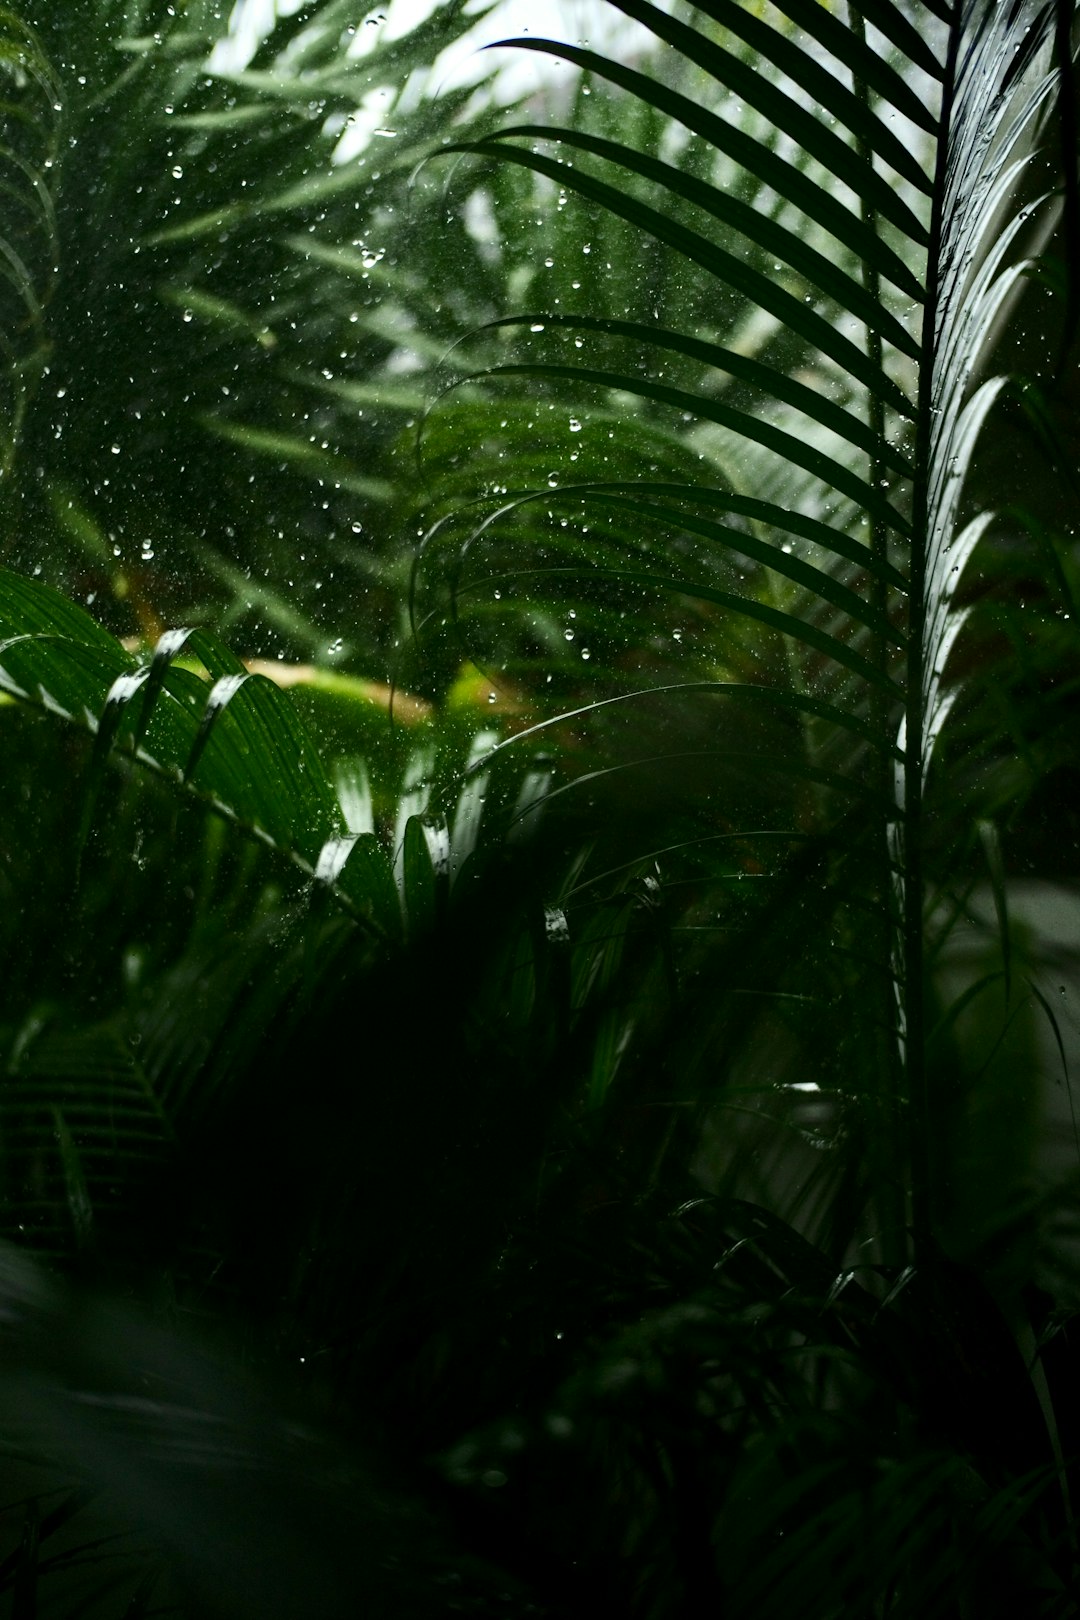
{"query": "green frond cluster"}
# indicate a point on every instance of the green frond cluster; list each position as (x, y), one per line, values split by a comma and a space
(537, 840)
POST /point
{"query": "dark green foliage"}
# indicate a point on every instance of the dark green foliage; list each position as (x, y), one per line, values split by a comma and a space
(618, 1083)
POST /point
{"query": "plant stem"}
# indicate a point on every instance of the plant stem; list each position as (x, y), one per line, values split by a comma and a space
(885, 1179)
(913, 989)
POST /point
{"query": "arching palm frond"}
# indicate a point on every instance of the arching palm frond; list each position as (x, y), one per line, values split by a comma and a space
(420, 1104)
(172, 447)
(883, 198)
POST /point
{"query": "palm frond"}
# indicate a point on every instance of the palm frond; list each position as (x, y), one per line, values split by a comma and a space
(688, 865)
(177, 354)
(843, 493)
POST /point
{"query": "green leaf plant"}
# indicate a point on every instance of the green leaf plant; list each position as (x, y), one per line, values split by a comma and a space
(876, 185)
(196, 294)
(620, 1119)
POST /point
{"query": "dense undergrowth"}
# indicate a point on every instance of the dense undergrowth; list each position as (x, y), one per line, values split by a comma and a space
(538, 843)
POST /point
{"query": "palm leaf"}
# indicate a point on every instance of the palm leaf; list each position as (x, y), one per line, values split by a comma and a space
(235, 739)
(707, 1409)
(179, 352)
(871, 585)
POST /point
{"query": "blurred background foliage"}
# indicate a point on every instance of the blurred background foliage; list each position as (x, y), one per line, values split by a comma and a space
(446, 940)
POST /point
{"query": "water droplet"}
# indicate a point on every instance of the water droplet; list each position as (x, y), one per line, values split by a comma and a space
(553, 481)
(115, 449)
(585, 653)
(189, 315)
(537, 326)
(575, 425)
(178, 173)
(568, 635)
(492, 697)
(548, 263)
(357, 527)
(387, 134)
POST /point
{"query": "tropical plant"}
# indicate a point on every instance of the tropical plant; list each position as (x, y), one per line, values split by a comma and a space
(821, 539)
(635, 1142)
(177, 202)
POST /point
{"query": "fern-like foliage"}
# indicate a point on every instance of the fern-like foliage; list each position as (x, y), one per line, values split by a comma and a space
(863, 182)
(174, 329)
(425, 1106)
